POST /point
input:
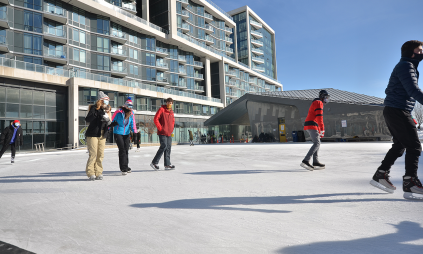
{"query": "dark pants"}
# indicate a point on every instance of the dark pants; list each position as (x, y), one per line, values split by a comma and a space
(165, 147)
(404, 133)
(12, 147)
(122, 142)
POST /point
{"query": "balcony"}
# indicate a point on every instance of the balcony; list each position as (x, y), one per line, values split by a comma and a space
(182, 72)
(257, 51)
(232, 94)
(209, 40)
(184, 14)
(228, 30)
(255, 24)
(229, 40)
(185, 27)
(253, 81)
(118, 36)
(198, 64)
(162, 51)
(257, 60)
(229, 51)
(162, 66)
(258, 68)
(231, 83)
(198, 76)
(209, 29)
(183, 2)
(119, 71)
(256, 34)
(182, 58)
(208, 17)
(55, 13)
(3, 44)
(119, 53)
(56, 55)
(130, 8)
(3, 19)
(231, 73)
(257, 43)
(55, 34)
(163, 79)
(198, 89)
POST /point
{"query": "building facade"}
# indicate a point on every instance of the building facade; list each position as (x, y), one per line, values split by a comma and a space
(55, 57)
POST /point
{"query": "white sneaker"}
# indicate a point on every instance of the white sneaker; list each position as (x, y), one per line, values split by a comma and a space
(91, 178)
(99, 177)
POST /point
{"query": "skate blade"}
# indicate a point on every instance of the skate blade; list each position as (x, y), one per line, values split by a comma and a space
(318, 168)
(413, 196)
(306, 167)
(380, 186)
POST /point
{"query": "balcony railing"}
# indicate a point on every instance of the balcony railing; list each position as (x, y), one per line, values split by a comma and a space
(210, 28)
(54, 9)
(259, 68)
(59, 32)
(230, 50)
(162, 50)
(257, 50)
(130, 7)
(227, 29)
(182, 71)
(208, 38)
(119, 69)
(257, 42)
(198, 75)
(55, 53)
(182, 58)
(184, 1)
(162, 65)
(119, 51)
(229, 39)
(208, 16)
(185, 26)
(258, 59)
(130, 15)
(3, 14)
(199, 88)
(199, 64)
(220, 9)
(161, 79)
(256, 33)
(252, 22)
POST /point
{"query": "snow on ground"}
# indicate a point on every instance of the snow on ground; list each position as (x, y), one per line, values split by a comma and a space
(222, 198)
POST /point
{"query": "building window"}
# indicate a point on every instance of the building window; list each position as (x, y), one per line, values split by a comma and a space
(103, 63)
(79, 55)
(174, 66)
(151, 74)
(78, 16)
(33, 44)
(28, 20)
(79, 36)
(174, 78)
(150, 59)
(103, 45)
(133, 69)
(133, 37)
(31, 4)
(103, 25)
(117, 30)
(133, 53)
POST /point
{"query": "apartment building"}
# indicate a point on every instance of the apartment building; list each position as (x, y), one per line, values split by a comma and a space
(55, 56)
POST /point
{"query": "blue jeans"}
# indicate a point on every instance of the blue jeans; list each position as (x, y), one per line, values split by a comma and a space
(165, 147)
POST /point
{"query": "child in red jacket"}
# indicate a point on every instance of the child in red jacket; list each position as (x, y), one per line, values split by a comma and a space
(315, 127)
(165, 122)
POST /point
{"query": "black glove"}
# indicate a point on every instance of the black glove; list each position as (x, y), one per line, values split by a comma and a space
(113, 124)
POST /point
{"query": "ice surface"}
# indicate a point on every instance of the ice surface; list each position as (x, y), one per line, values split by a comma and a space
(222, 198)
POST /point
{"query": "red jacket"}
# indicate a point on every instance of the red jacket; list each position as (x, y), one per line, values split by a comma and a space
(314, 120)
(164, 121)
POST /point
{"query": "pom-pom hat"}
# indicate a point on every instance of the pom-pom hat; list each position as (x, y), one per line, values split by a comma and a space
(103, 96)
(128, 102)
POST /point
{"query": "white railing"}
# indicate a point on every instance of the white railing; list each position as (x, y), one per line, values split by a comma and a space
(49, 8)
(252, 22)
(118, 51)
(59, 32)
(198, 75)
(62, 54)
(220, 9)
(199, 64)
(162, 50)
(162, 65)
(182, 58)
(257, 42)
(119, 69)
(257, 33)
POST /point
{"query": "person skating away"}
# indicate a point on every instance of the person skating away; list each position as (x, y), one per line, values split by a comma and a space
(138, 141)
(11, 136)
(165, 122)
(316, 129)
(401, 94)
(125, 119)
(98, 116)
(191, 138)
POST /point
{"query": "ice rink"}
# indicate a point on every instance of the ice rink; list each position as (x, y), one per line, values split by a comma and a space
(222, 198)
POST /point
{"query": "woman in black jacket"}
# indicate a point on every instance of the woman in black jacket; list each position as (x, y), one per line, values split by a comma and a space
(98, 116)
(11, 136)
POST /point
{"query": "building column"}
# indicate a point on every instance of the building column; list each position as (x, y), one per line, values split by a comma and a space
(222, 82)
(145, 10)
(207, 78)
(73, 112)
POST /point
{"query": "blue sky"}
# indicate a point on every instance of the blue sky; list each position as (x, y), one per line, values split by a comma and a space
(349, 45)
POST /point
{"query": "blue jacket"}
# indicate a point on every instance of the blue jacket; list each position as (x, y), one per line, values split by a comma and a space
(121, 128)
(403, 89)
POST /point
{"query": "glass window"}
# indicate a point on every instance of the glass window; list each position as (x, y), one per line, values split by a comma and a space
(50, 99)
(39, 98)
(103, 62)
(12, 110)
(103, 45)
(39, 112)
(32, 44)
(26, 111)
(78, 15)
(103, 25)
(51, 113)
(13, 95)
(2, 110)
(2, 94)
(26, 96)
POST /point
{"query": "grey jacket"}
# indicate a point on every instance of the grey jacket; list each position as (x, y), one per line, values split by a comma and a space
(403, 89)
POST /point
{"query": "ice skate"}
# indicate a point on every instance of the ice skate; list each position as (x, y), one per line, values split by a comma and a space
(381, 180)
(154, 166)
(306, 165)
(99, 177)
(138, 150)
(91, 178)
(12, 160)
(170, 167)
(318, 165)
(412, 188)
(124, 173)
(129, 170)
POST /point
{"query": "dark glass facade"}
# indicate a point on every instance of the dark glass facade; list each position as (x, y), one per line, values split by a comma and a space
(242, 37)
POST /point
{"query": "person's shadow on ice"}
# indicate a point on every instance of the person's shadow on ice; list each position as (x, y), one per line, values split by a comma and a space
(398, 242)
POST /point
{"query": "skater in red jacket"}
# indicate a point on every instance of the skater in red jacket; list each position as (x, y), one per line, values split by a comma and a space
(315, 127)
(165, 122)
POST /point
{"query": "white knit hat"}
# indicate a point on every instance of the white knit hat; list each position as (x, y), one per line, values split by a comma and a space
(103, 96)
